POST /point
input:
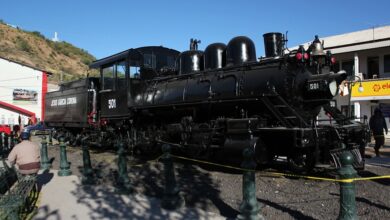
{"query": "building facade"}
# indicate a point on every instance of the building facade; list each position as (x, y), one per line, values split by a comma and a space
(365, 56)
(22, 93)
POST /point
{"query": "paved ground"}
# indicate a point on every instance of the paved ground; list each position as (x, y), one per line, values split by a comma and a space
(384, 159)
(66, 198)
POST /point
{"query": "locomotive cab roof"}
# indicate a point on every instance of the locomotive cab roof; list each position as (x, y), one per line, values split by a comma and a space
(154, 57)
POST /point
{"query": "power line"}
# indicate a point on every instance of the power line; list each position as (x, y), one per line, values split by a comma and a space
(20, 87)
(7, 80)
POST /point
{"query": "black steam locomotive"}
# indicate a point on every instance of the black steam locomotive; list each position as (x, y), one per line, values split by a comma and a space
(220, 100)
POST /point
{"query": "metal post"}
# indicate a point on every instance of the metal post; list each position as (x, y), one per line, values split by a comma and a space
(250, 207)
(64, 164)
(16, 140)
(172, 198)
(45, 163)
(1, 145)
(87, 177)
(124, 185)
(347, 189)
(50, 137)
(11, 144)
(349, 98)
(1, 139)
(6, 143)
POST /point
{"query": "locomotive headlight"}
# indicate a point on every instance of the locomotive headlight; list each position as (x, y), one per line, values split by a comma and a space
(305, 141)
(333, 87)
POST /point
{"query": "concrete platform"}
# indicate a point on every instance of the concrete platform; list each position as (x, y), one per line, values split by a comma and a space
(66, 198)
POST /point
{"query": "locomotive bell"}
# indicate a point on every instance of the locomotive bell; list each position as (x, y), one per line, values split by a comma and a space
(317, 48)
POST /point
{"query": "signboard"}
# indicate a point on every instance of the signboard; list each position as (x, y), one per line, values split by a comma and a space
(375, 88)
(25, 95)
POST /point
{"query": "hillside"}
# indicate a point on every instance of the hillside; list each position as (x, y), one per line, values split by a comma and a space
(33, 49)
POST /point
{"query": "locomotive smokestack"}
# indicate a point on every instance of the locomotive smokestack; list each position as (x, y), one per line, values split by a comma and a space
(273, 44)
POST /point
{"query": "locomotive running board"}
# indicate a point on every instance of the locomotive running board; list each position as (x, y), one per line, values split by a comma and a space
(358, 162)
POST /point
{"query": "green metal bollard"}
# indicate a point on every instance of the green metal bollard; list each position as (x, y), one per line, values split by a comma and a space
(45, 163)
(172, 198)
(250, 207)
(50, 138)
(347, 189)
(124, 185)
(64, 164)
(87, 177)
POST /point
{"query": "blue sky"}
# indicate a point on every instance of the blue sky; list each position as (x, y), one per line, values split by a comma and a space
(107, 27)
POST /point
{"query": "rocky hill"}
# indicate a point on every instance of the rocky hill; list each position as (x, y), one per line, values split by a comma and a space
(33, 49)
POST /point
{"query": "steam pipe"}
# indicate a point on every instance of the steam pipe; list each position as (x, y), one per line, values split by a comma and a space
(94, 102)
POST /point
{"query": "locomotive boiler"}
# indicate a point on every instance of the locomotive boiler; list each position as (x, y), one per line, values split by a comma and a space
(219, 100)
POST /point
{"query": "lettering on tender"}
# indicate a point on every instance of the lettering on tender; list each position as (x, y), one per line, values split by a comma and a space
(53, 102)
(63, 101)
(71, 101)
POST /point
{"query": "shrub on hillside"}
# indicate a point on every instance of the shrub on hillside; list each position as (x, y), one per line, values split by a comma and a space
(38, 34)
(71, 51)
(23, 45)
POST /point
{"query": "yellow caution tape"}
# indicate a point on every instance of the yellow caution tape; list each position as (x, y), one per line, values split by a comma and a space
(149, 161)
(264, 173)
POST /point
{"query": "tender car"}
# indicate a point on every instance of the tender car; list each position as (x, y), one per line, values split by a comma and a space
(37, 129)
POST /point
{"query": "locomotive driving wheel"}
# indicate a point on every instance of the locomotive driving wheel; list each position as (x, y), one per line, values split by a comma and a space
(264, 155)
(301, 162)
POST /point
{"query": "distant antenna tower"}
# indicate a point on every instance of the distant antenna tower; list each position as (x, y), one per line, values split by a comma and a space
(55, 38)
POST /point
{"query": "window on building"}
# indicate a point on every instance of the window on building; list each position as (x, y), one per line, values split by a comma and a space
(336, 67)
(373, 67)
(108, 77)
(386, 63)
(344, 110)
(348, 67)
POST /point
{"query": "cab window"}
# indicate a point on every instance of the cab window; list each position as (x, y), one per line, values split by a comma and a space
(150, 61)
(134, 72)
(108, 77)
(171, 61)
(120, 68)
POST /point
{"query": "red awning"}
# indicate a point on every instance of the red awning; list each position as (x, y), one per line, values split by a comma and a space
(19, 110)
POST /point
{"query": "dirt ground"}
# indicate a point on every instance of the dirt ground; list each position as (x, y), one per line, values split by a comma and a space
(220, 190)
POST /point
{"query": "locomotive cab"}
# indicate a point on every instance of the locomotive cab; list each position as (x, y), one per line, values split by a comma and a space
(123, 74)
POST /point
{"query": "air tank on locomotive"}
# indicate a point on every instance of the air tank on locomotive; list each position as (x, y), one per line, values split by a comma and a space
(215, 56)
(258, 79)
(240, 50)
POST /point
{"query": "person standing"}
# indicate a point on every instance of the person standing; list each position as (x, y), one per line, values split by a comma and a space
(26, 155)
(377, 126)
